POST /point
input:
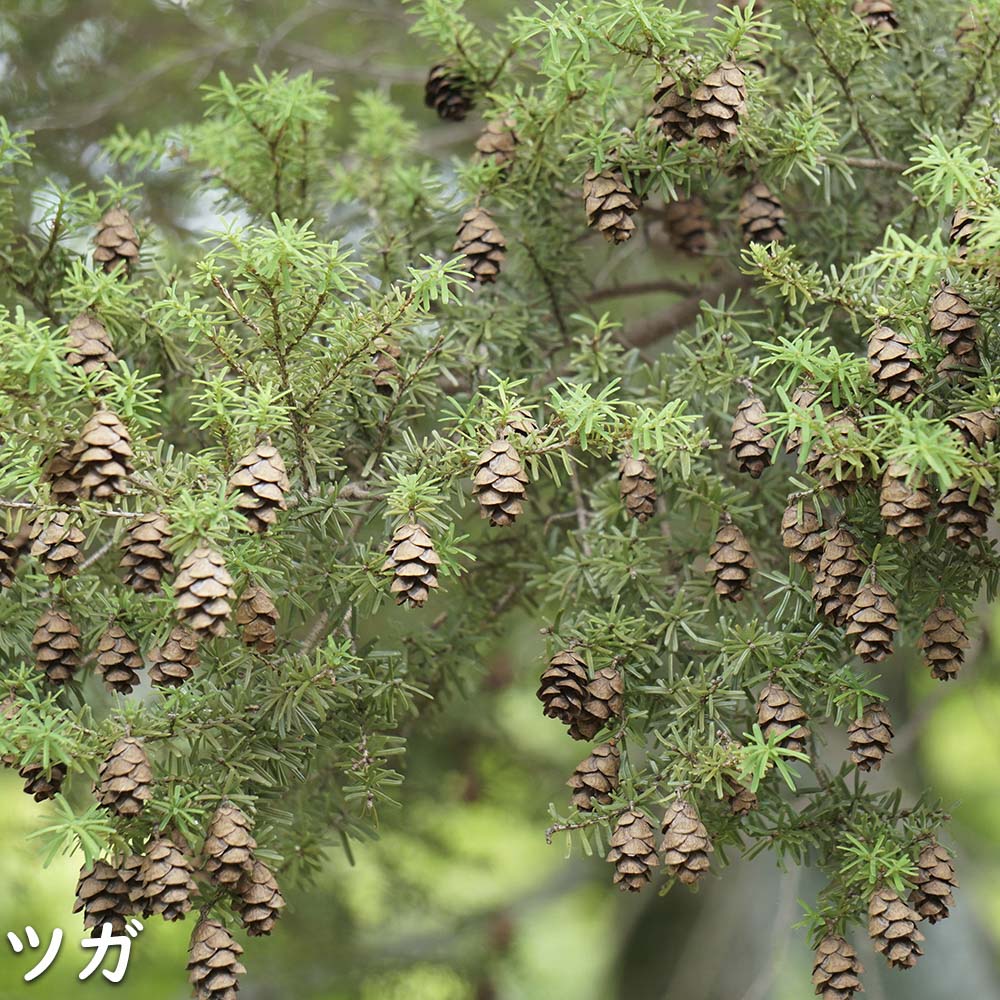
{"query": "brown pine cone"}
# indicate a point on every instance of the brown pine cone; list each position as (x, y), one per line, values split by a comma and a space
(562, 686)
(214, 966)
(166, 879)
(10, 708)
(42, 783)
(174, 661)
(259, 901)
(686, 223)
(686, 845)
(962, 228)
(257, 616)
(965, 519)
(610, 204)
(103, 896)
(894, 365)
(449, 92)
(413, 564)
(718, 104)
(384, 370)
(89, 346)
(499, 483)
(870, 736)
(781, 712)
(260, 483)
(602, 701)
(56, 643)
(740, 799)
(482, 244)
(892, 926)
(203, 593)
(56, 544)
(498, 142)
(904, 503)
(802, 534)
(956, 325)
(837, 971)
(118, 659)
(976, 429)
(637, 486)
(117, 242)
(932, 895)
(805, 397)
(838, 576)
(124, 778)
(872, 623)
(520, 422)
(761, 216)
(102, 457)
(879, 16)
(229, 845)
(146, 559)
(828, 467)
(730, 562)
(751, 442)
(64, 489)
(595, 777)
(672, 110)
(14, 542)
(632, 851)
(943, 643)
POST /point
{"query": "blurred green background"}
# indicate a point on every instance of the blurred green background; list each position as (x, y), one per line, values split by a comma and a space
(460, 897)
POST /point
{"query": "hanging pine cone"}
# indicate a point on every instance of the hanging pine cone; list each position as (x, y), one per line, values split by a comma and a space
(837, 971)
(449, 92)
(869, 737)
(838, 576)
(520, 422)
(146, 559)
(124, 778)
(13, 543)
(229, 845)
(260, 483)
(779, 711)
(751, 442)
(740, 799)
(872, 623)
(89, 346)
(829, 466)
(56, 643)
(203, 593)
(943, 643)
(214, 966)
(672, 110)
(102, 457)
(384, 370)
(761, 216)
(686, 223)
(932, 895)
(174, 661)
(892, 926)
(956, 324)
(637, 486)
(43, 783)
(805, 397)
(730, 562)
(879, 16)
(904, 503)
(962, 229)
(499, 483)
(602, 701)
(633, 851)
(117, 242)
(103, 896)
(562, 686)
(894, 365)
(257, 616)
(718, 104)
(595, 778)
(964, 515)
(802, 535)
(482, 244)
(686, 845)
(498, 142)
(610, 204)
(118, 659)
(56, 544)
(166, 879)
(413, 563)
(977, 429)
(259, 901)
(64, 489)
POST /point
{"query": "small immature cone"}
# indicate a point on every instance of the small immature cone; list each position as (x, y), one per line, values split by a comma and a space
(229, 845)
(904, 503)
(43, 783)
(449, 92)
(117, 242)
(166, 879)
(610, 204)
(118, 659)
(102, 457)
(595, 777)
(203, 593)
(802, 535)
(965, 516)
(89, 347)
(174, 662)
(932, 896)
(602, 701)
(761, 216)
(384, 370)
(779, 711)
(943, 643)
(562, 686)
(686, 845)
(687, 225)
(637, 486)
(56, 642)
(258, 899)
(56, 544)
(956, 324)
(257, 616)
(499, 483)
(124, 778)
(633, 851)
(730, 562)
(869, 737)
(894, 365)
(879, 16)
(260, 483)
(718, 104)
(146, 559)
(482, 244)
(103, 896)
(498, 142)
(672, 110)
(413, 564)
(837, 971)
(872, 623)
(838, 576)
(214, 966)
(892, 926)
(751, 442)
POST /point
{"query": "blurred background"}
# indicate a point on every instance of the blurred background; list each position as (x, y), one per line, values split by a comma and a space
(460, 897)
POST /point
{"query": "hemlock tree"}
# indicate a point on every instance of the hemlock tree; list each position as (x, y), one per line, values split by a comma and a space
(225, 460)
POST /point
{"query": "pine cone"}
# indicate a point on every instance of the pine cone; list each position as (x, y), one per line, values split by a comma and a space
(449, 92)
(977, 429)
(802, 535)
(118, 659)
(103, 896)
(260, 482)
(780, 711)
(384, 369)
(10, 708)
(499, 483)
(943, 643)
(174, 661)
(718, 104)
(804, 397)
(761, 216)
(965, 519)
(872, 621)
(932, 896)
(633, 851)
(956, 324)
(41, 783)
(672, 110)
(637, 486)
(64, 489)
(610, 204)
(837, 971)
(905, 503)
(203, 593)
(879, 16)
(13, 543)
(146, 559)
(482, 244)
(751, 442)
(214, 966)
(102, 457)
(740, 799)
(869, 737)
(117, 242)
(829, 467)
(602, 701)
(498, 142)
(520, 422)
(166, 879)
(892, 926)
(687, 225)
(595, 777)
(56, 544)
(838, 577)
(259, 901)
(257, 616)
(562, 686)
(229, 845)
(730, 562)
(413, 563)
(894, 365)
(686, 845)
(56, 643)
(89, 345)
(124, 778)
(962, 229)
